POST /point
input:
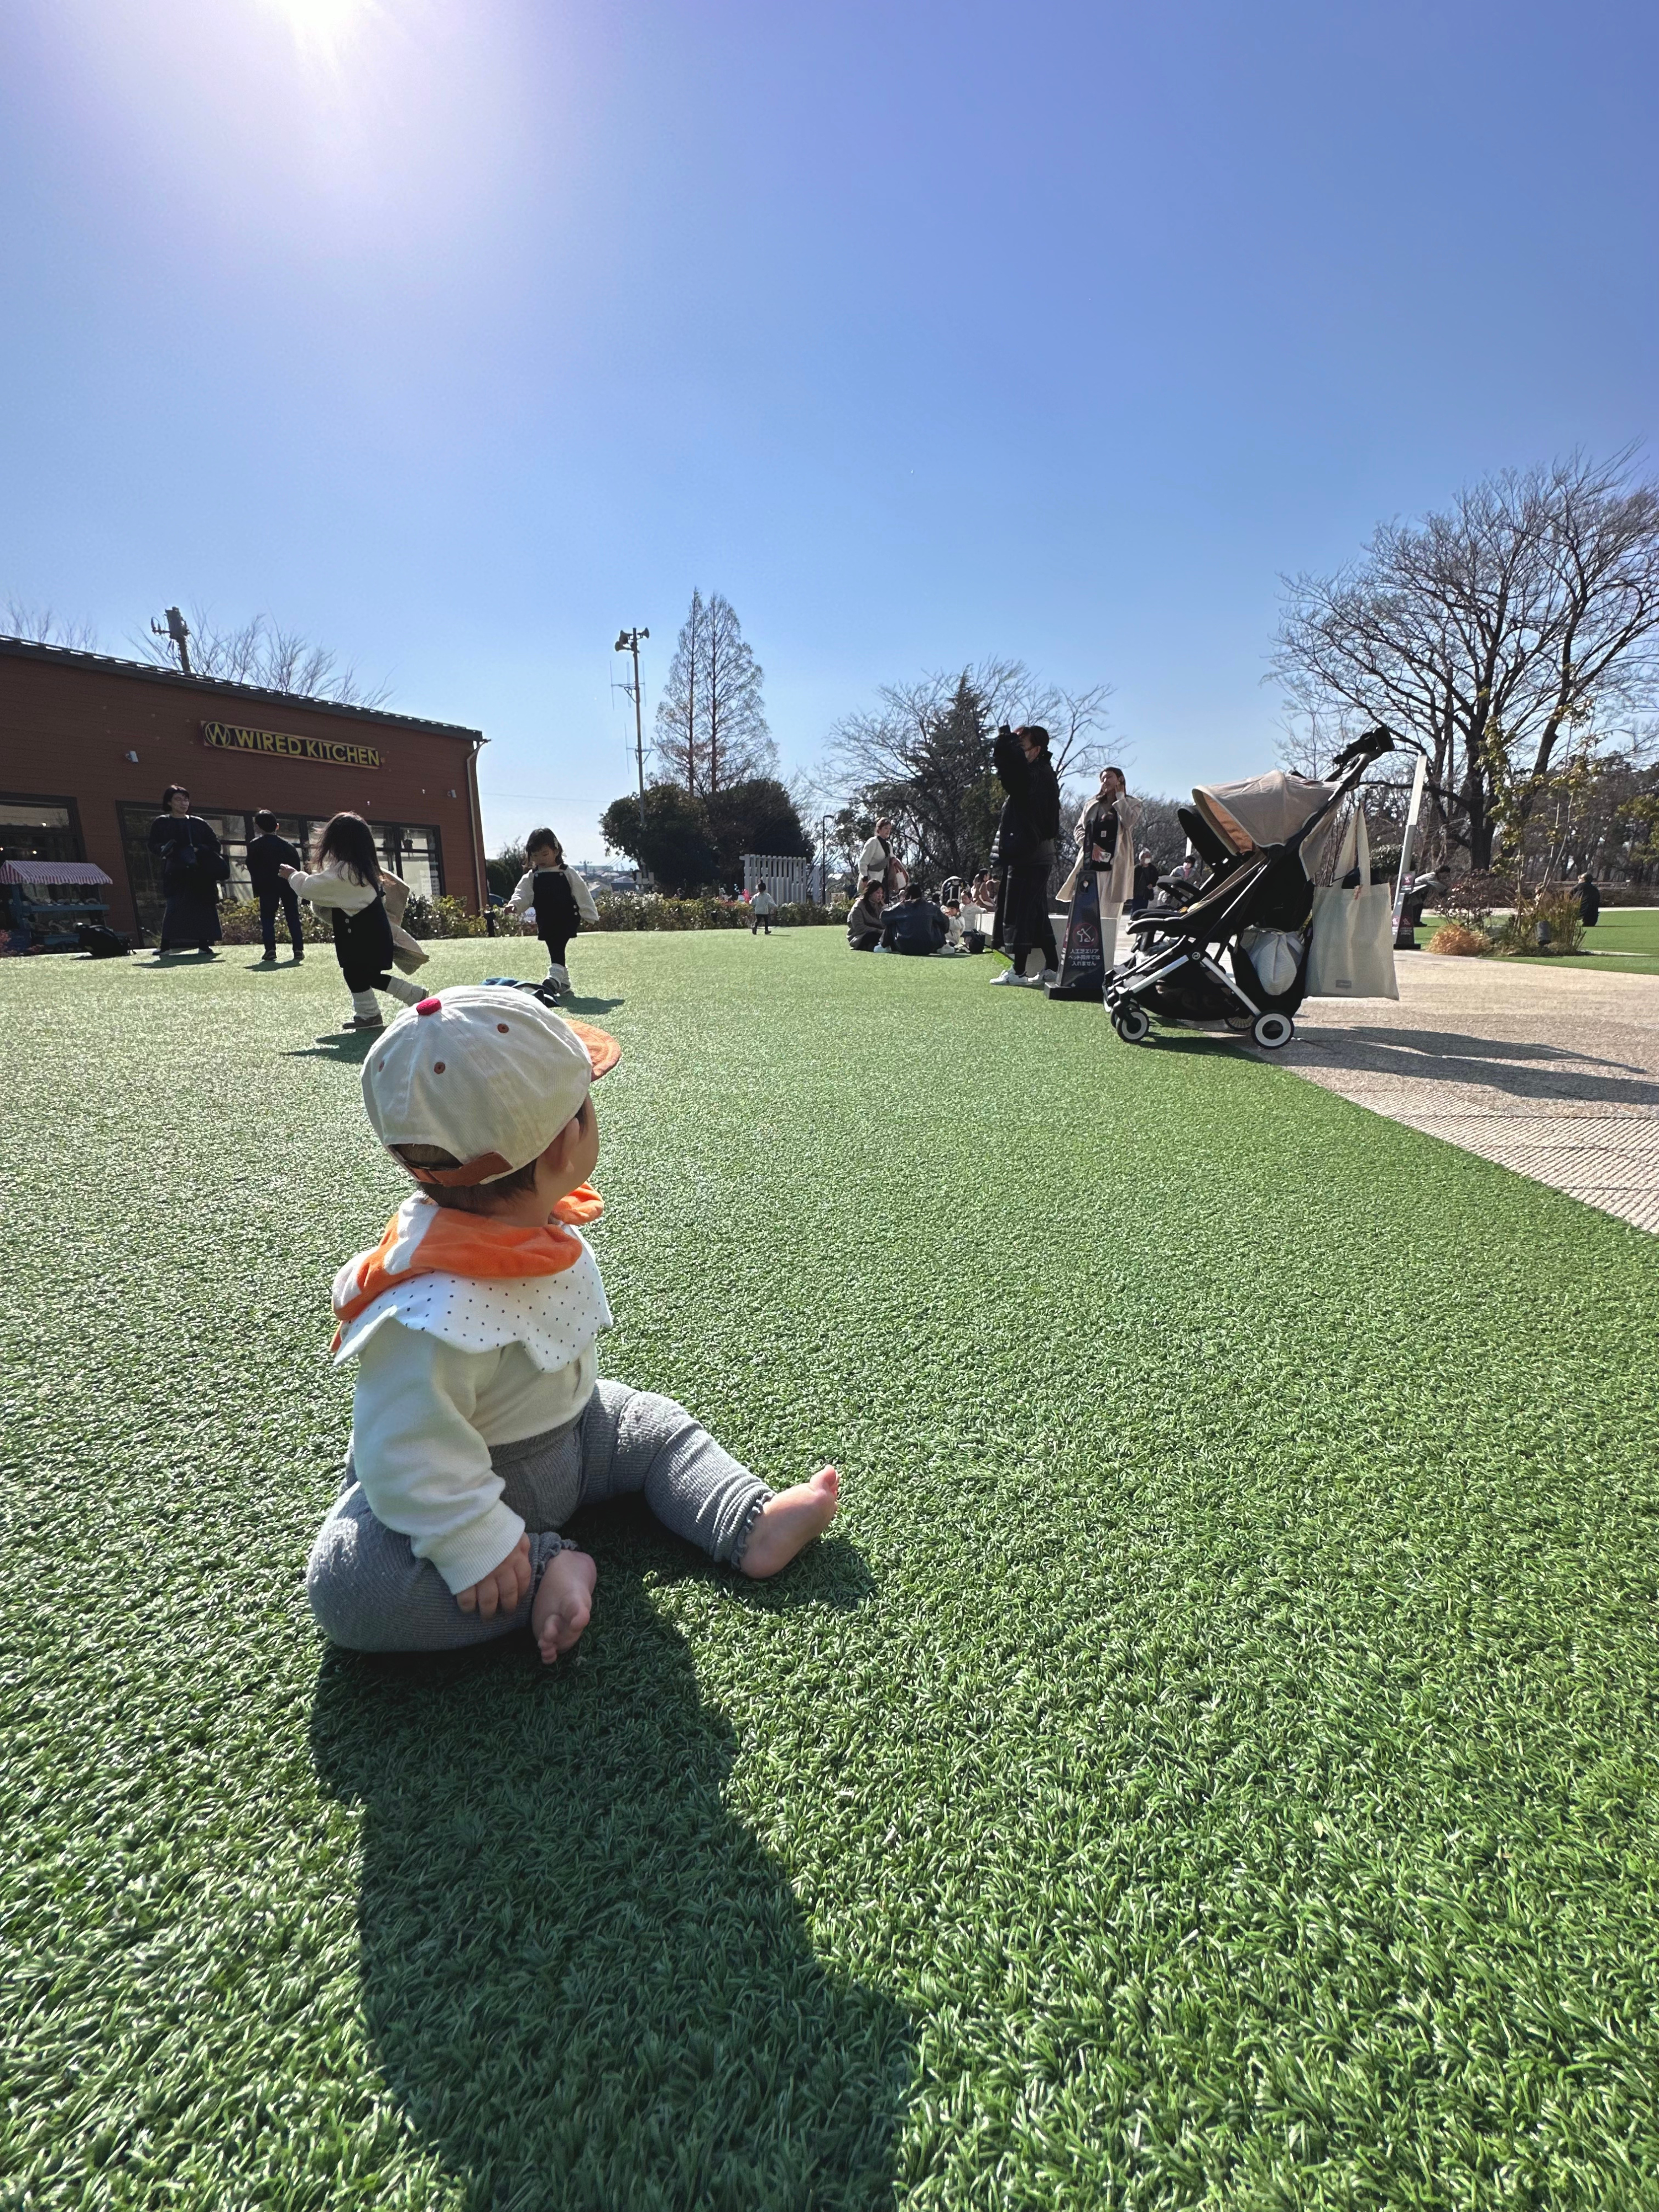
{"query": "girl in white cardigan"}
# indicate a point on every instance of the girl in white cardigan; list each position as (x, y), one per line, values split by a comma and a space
(346, 886)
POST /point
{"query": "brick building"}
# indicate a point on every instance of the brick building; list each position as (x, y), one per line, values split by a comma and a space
(87, 744)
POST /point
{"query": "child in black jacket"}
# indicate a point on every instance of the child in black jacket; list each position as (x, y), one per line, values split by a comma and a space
(267, 855)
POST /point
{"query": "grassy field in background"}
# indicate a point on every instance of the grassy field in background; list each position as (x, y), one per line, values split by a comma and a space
(1211, 1763)
(1625, 941)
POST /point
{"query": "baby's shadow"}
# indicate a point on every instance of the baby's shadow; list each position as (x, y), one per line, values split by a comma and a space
(584, 1980)
(590, 1005)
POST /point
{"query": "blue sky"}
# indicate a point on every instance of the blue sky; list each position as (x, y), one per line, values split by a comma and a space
(460, 332)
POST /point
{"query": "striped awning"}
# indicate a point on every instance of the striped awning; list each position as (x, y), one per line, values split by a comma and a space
(51, 872)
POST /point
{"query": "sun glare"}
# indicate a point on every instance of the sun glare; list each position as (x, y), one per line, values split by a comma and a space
(321, 27)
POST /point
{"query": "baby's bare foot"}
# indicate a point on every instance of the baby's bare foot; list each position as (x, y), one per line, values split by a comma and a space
(564, 1604)
(789, 1521)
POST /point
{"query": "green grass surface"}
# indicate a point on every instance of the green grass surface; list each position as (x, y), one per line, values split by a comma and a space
(1625, 941)
(1213, 1762)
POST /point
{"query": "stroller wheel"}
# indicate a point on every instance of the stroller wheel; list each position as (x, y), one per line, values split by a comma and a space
(1271, 1031)
(1133, 1023)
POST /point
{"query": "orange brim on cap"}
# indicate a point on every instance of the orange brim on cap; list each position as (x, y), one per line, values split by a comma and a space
(600, 1045)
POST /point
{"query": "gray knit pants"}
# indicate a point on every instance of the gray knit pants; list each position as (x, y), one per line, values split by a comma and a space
(370, 1593)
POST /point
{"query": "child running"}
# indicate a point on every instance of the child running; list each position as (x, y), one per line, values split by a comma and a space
(560, 899)
(346, 885)
(479, 1424)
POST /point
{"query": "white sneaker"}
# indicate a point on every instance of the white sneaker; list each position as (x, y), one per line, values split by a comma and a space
(1046, 979)
(1008, 976)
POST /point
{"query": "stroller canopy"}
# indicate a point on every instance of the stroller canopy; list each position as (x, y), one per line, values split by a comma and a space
(1263, 810)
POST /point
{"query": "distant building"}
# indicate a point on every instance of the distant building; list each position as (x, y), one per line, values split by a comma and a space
(88, 743)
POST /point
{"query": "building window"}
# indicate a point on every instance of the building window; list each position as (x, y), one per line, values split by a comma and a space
(38, 830)
(414, 853)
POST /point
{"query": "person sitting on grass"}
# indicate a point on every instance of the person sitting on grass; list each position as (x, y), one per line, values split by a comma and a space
(866, 918)
(346, 885)
(478, 1422)
(914, 926)
(559, 898)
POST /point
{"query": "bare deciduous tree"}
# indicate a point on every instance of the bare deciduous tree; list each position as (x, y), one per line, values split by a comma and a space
(679, 724)
(711, 718)
(923, 756)
(1524, 619)
(262, 652)
(41, 626)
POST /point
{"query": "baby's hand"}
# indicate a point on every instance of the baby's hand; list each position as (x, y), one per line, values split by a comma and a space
(502, 1591)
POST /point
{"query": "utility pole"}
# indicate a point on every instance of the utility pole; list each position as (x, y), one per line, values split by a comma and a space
(824, 860)
(628, 640)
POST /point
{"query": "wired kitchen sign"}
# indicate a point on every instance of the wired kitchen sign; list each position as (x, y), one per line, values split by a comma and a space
(330, 752)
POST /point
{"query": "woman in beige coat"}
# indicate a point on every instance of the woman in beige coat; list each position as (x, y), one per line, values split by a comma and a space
(1106, 843)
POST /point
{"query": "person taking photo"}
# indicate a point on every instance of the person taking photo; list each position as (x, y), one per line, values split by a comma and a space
(1023, 851)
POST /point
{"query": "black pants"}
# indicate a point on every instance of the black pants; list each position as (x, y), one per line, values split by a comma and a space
(759, 922)
(556, 949)
(865, 941)
(1025, 914)
(269, 902)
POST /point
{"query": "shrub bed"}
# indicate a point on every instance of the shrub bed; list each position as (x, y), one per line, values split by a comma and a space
(620, 913)
(239, 919)
(239, 924)
(1460, 939)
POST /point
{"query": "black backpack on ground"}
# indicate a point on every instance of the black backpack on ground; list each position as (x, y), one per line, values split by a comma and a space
(99, 943)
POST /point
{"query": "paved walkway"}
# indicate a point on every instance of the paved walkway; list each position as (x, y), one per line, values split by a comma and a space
(1553, 1071)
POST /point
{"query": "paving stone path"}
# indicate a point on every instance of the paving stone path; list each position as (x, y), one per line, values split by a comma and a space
(1553, 1071)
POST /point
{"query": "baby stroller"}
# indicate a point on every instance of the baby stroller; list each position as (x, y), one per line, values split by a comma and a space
(1249, 904)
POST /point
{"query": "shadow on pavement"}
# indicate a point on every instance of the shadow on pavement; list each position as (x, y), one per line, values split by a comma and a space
(1519, 1071)
(1445, 1044)
(584, 1980)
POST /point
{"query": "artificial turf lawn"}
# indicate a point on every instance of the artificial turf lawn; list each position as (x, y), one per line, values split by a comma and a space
(1211, 1763)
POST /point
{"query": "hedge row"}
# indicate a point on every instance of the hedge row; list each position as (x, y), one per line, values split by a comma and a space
(621, 913)
(239, 919)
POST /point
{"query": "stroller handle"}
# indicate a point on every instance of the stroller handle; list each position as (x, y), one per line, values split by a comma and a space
(1349, 767)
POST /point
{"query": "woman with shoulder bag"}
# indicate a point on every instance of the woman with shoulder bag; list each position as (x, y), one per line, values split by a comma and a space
(193, 869)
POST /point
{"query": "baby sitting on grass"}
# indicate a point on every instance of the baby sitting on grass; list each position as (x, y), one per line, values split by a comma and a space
(479, 1425)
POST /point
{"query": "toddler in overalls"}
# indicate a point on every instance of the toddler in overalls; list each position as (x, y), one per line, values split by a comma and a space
(479, 1424)
(349, 886)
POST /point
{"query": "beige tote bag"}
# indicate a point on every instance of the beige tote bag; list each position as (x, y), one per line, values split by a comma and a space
(1351, 948)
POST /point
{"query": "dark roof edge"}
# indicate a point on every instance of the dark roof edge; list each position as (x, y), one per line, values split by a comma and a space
(23, 649)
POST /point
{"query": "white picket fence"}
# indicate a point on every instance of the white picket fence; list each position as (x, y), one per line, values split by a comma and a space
(791, 881)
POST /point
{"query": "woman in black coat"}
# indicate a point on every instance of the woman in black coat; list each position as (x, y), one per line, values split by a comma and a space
(1023, 851)
(193, 869)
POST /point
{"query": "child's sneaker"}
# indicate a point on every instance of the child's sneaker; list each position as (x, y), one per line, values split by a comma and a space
(366, 1022)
